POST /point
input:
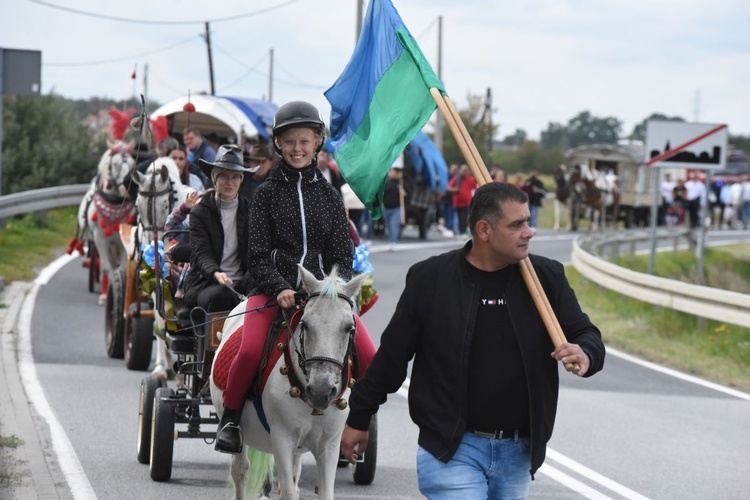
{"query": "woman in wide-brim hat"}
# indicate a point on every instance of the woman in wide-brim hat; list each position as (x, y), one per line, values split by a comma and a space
(219, 236)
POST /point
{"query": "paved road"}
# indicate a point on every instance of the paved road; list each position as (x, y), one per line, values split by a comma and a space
(629, 432)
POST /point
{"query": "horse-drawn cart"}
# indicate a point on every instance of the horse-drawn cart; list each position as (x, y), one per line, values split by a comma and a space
(129, 312)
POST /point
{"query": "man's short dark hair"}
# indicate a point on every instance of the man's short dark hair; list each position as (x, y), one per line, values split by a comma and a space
(487, 203)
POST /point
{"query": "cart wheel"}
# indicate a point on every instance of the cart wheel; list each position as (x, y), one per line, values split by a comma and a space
(364, 472)
(138, 338)
(114, 320)
(162, 435)
(93, 257)
(149, 385)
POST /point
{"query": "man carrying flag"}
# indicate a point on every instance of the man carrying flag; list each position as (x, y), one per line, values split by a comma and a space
(484, 382)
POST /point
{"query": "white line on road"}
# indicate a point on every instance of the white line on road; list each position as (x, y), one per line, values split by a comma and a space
(594, 476)
(69, 464)
(571, 483)
(678, 375)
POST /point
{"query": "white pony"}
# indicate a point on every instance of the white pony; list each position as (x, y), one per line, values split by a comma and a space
(105, 206)
(309, 413)
(160, 190)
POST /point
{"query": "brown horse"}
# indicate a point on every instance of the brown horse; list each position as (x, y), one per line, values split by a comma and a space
(600, 194)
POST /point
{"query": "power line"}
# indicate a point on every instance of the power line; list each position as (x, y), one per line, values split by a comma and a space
(162, 22)
(125, 58)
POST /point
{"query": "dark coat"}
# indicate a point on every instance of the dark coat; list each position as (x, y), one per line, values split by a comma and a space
(296, 216)
(434, 324)
(207, 245)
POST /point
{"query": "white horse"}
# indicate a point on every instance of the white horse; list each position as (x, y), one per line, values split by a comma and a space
(160, 190)
(308, 415)
(104, 207)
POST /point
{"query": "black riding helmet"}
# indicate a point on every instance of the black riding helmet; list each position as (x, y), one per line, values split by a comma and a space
(298, 114)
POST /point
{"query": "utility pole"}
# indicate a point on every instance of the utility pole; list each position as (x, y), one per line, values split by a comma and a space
(145, 82)
(488, 117)
(439, 117)
(270, 78)
(359, 20)
(210, 60)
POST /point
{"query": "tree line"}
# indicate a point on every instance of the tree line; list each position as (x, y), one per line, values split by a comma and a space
(50, 140)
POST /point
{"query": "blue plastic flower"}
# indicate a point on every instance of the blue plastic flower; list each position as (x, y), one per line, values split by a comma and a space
(147, 251)
(361, 262)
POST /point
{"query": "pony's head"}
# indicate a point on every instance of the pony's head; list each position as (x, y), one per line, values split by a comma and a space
(157, 193)
(115, 164)
(325, 334)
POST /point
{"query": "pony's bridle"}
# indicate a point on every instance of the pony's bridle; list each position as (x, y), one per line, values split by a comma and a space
(153, 194)
(303, 360)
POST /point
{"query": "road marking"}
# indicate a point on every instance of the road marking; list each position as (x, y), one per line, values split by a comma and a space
(678, 375)
(571, 483)
(593, 476)
(70, 466)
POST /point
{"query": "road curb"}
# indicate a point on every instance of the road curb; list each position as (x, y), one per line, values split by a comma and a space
(25, 466)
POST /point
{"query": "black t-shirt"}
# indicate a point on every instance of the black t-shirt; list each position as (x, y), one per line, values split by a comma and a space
(498, 392)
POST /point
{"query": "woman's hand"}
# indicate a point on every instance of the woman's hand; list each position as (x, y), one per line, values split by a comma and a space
(286, 298)
(222, 278)
(192, 199)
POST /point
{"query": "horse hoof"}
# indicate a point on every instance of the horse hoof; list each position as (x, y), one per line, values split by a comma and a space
(102, 299)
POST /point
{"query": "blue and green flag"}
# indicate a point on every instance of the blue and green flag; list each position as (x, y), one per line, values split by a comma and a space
(379, 103)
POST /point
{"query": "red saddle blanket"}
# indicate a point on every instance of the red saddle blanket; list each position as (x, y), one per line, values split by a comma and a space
(229, 351)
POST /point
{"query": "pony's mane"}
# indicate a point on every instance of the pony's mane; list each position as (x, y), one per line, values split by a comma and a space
(329, 285)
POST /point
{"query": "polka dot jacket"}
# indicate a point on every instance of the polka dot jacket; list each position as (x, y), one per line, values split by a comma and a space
(296, 216)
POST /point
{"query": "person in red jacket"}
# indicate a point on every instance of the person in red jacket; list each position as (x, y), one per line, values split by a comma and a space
(462, 186)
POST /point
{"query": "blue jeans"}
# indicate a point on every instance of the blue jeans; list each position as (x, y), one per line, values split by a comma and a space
(745, 214)
(533, 210)
(481, 468)
(393, 223)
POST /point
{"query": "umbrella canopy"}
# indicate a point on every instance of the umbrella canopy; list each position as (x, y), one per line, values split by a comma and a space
(233, 118)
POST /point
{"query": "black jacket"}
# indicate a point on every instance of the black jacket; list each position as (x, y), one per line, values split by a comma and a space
(207, 245)
(434, 324)
(296, 216)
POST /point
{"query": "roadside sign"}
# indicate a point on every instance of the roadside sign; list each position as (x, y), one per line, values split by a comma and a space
(699, 146)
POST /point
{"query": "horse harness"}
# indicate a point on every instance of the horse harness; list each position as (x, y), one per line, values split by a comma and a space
(153, 194)
(295, 381)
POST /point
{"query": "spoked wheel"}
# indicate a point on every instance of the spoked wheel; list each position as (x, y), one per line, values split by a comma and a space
(93, 257)
(149, 385)
(114, 318)
(138, 338)
(364, 472)
(162, 435)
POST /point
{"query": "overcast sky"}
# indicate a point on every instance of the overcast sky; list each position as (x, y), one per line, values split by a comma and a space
(544, 60)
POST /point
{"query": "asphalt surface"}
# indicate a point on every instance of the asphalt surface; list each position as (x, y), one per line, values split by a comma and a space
(651, 433)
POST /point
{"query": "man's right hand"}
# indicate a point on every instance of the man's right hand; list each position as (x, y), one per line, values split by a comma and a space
(353, 443)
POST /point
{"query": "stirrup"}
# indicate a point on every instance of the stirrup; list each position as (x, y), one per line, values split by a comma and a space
(229, 445)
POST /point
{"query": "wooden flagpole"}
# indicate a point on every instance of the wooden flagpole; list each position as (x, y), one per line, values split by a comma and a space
(482, 175)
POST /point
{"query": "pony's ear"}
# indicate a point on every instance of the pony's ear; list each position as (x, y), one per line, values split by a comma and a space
(137, 177)
(164, 172)
(351, 289)
(309, 281)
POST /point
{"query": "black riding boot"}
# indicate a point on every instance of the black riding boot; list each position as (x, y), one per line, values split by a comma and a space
(229, 435)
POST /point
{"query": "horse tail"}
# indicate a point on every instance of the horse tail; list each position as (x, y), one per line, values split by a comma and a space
(259, 473)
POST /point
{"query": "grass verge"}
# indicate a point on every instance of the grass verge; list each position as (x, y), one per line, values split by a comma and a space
(30, 242)
(713, 350)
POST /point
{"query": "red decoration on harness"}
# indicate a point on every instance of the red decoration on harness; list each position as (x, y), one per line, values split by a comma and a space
(110, 215)
(75, 245)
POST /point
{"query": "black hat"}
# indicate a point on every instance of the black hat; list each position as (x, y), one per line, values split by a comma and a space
(228, 157)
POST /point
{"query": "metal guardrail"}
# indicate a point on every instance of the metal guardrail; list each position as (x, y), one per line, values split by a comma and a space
(41, 199)
(703, 301)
